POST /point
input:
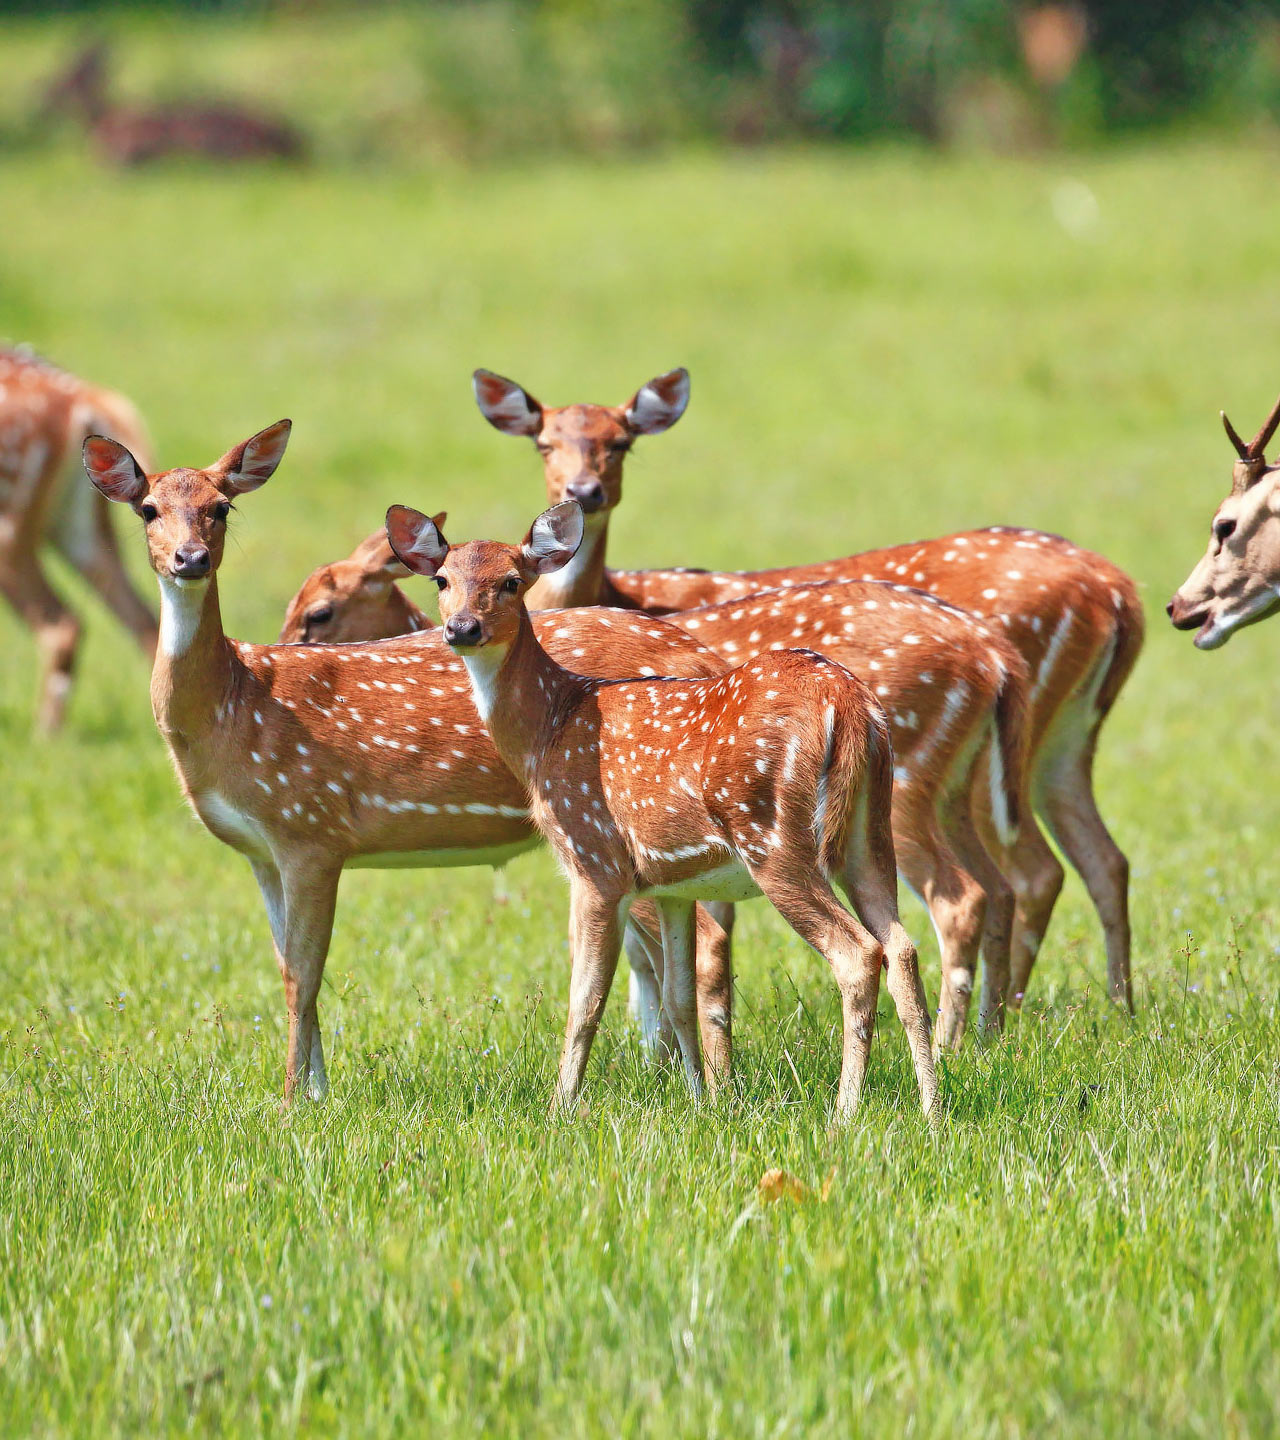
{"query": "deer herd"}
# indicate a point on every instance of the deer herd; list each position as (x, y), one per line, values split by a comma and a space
(682, 739)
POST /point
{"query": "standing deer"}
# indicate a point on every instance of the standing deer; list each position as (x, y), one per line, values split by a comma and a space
(774, 778)
(135, 134)
(1237, 582)
(955, 691)
(1072, 615)
(45, 414)
(311, 760)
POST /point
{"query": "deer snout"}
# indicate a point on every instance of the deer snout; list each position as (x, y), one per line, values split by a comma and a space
(191, 561)
(1183, 615)
(463, 630)
(587, 491)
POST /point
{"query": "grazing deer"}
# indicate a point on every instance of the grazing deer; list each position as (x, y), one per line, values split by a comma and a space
(133, 134)
(774, 778)
(311, 760)
(45, 414)
(1237, 582)
(1072, 615)
(955, 691)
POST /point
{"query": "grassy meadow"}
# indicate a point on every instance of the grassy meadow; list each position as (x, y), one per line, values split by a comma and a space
(884, 345)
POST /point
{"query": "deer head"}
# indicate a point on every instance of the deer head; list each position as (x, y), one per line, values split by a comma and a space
(185, 511)
(1237, 582)
(482, 583)
(354, 599)
(583, 446)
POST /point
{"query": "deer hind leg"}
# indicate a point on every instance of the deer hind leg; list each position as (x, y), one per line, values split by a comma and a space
(1036, 876)
(679, 984)
(1064, 795)
(82, 533)
(715, 922)
(595, 937)
(997, 929)
(870, 879)
(300, 900)
(644, 954)
(957, 906)
(56, 629)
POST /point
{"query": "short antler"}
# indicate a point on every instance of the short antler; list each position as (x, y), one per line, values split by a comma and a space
(1260, 441)
(1241, 448)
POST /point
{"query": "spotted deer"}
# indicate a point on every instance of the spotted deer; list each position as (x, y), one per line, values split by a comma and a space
(1073, 616)
(1237, 581)
(355, 599)
(955, 691)
(137, 134)
(45, 414)
(661, 789)
(309, 760)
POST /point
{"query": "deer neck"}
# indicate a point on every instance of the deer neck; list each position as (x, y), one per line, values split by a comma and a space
(193, 665)
(522, 695)
(582, 580)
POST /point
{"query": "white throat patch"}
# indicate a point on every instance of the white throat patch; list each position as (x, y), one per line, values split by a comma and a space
(482, 670)
(181, 604)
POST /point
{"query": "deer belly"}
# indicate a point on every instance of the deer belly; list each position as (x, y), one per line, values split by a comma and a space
(726, 882)
(443, 858)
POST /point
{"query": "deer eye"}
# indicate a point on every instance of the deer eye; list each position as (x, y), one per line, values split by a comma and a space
(148, 512)
(441, 583)
(222, 509)
(511, 585)
(619, 447)
(321, 615)
(1222, 529)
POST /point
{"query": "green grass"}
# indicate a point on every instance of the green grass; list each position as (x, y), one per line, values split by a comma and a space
(883, 345)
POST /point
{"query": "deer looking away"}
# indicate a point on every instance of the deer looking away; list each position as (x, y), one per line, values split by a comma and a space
(309, 760)
(1075, 619)
(45, 414)
(773, 778)
(134, 134)
(955, 691)
(1237, 581)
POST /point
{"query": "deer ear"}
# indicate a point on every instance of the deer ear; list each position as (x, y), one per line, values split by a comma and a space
(659, 404)
(553, 538)
(416, 540)
(505, 405)
(377, 560)
(253, 463)
(113, 470)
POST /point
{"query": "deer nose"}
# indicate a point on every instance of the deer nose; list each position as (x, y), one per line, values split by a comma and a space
(462, 630)
(191, 561)
(588, 492)
(1168, 609)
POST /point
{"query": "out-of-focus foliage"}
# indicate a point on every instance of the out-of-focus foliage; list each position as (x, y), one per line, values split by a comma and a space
(489, 78)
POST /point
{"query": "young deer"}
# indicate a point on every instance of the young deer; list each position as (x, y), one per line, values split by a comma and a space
(45, 414)
(311, 759)
(1072, 615)
(955, 691)
(1237, 582)
(661, 788)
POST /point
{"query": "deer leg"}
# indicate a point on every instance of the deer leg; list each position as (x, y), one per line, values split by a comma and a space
(56, 629)
(300, 900)
(595, 939)
(997, 929)
(85, 538)
(715, 920)
(1036, 876)
(1064, 793)
(679, 985)
(870, 880)
(644, 954)
(957, 907)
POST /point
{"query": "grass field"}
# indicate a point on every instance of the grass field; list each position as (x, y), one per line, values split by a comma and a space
(883, 345)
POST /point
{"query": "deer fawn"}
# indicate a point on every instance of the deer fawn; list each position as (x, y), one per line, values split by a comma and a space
(309, 760)
(774, 778)
(955, 691)
(45, 414)
(134, 134)
(1237, 582)
(1072, 615)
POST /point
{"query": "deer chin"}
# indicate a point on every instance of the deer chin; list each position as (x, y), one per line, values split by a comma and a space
(1218, 629)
